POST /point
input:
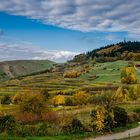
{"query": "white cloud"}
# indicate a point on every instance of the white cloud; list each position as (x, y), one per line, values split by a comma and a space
(83, 15)
(18, 52)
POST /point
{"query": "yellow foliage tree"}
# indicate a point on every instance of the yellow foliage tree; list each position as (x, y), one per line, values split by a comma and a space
(128, 75)
(58, 100)
(122, 94)
(81, 98)
(100, 115)
(17, 98)
(32, 102)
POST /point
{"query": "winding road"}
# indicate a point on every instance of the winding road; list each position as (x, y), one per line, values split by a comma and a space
(116, 136)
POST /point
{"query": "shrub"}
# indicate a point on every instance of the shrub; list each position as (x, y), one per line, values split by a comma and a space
(26, 117)
(81, 98)
(69, 101)
(120, 116)
(133, 117)
(17, 99)
(51, 117)
(7, 124)
(76, 125)
(133, 92)
(33, 102)
(71, 74)
(40, 129)
(6, 99)
(137, 110)
(106, 99)
(25, 130)
(65, 122)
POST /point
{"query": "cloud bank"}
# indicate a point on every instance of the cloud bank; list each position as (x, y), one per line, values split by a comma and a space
(82, 15)
(16, 52)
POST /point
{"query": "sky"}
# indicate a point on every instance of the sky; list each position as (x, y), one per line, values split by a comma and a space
(60, 29)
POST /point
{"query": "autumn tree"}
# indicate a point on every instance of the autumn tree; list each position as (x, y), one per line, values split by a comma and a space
(107, 99)
(17, 99)
(122, 94)
(58, 100)
(32, 102)
(81, 98)
(134, 92)
(128, 75)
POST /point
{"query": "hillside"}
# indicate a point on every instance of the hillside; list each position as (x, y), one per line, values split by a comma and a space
(120, 51)
(93, 79)
(11, 69)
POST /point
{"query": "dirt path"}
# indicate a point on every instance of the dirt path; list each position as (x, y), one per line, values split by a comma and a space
(125, 134)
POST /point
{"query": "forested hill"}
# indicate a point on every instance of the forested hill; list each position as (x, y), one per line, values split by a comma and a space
(120, 51)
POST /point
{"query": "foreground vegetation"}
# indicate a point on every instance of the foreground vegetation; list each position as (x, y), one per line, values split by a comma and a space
(71, 101)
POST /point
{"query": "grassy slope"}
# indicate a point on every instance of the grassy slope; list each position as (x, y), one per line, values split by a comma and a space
(55, 81)
(10, 69)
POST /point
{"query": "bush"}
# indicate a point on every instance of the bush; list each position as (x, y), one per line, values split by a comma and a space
(7, 124)
(71, 74)
(17, 99)
(69, 101)
(6, 99)
(81, 98)
(76, 125)
(133, 117)
(120, 116)
(26, 117)
(137, 110)
(51, 117)
(33, 102)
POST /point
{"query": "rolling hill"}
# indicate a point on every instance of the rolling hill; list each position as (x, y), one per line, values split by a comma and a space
(12, 69)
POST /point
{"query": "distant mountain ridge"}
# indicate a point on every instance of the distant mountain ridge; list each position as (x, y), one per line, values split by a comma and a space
(12, 69)
(121, 51)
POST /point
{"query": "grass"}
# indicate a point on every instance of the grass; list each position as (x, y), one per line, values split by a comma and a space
(77, 136)
(124, 128)
(60, 137)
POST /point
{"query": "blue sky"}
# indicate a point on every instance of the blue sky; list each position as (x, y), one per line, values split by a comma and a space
(58, 30)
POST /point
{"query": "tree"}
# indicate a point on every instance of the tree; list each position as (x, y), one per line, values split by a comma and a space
(32, 102)
(98, 118)
(58, 100)
(17, 99)
(134, 92)
(81, 98)
(128, 76)
(100, 115)
(122, 94)
(107, 99)
(120, 116)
